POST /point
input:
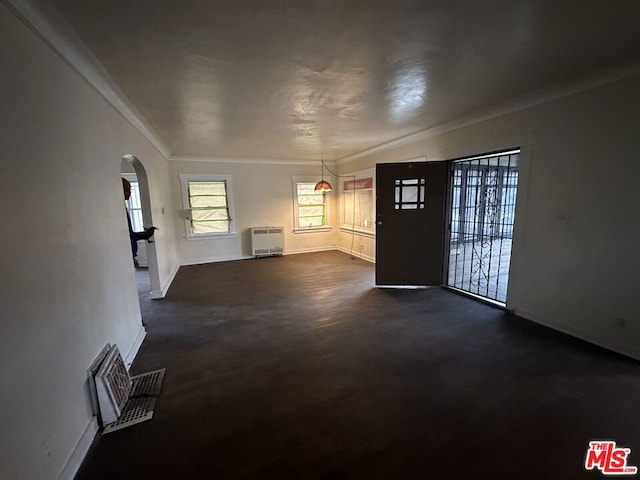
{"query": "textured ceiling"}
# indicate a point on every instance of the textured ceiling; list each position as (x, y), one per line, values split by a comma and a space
(301, 79)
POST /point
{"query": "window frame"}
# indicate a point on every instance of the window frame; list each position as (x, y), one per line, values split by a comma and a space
(359, 175)
(134, 204)
(297, 228)
(185, 179)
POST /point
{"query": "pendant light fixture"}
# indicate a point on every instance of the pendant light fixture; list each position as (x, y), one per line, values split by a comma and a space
(323, 186)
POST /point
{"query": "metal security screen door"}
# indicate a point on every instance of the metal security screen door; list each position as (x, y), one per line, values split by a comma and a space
(410, 219)
(483, 207)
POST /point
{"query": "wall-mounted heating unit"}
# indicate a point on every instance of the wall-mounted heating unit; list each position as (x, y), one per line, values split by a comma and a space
(267, 241)
(124, 400)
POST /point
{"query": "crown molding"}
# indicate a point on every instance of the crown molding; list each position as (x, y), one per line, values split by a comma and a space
(42, 18)
(235, 160)
(556, 92)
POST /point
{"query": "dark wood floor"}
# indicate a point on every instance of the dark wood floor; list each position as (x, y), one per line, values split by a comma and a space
(297, 367)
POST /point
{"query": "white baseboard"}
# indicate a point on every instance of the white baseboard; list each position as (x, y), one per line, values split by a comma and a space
(232, 258)
(201, 261)
(74, 461)
(580, 334)
(167, 283)
(356, 254)
(309, 250)
(137, 343)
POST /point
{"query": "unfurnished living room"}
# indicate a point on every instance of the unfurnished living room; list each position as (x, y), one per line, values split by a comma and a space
(392, 239)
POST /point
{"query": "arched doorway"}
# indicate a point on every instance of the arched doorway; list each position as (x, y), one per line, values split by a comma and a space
(133, 169)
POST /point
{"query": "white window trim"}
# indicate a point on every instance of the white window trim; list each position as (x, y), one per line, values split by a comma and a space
(295, 179)
(358, 175)
(185, 178)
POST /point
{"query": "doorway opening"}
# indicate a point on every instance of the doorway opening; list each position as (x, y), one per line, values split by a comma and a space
(139, 211)
(483, 206)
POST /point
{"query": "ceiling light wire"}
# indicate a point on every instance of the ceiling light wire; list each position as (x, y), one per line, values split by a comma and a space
(353, 189)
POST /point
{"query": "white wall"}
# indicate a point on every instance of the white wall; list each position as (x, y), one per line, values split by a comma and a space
(262, 196)
(363, 246)
(68, 282)
(580, 159)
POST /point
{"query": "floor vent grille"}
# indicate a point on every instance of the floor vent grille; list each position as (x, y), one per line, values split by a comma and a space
(142, 400)
(124, 400)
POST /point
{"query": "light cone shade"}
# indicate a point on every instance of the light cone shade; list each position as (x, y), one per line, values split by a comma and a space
(323, 186)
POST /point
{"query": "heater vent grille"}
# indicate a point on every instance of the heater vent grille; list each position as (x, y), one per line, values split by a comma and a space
(147, 383)
(117, 380)
(125, 400)
(136, 411)
(142, 400)
(93, 371)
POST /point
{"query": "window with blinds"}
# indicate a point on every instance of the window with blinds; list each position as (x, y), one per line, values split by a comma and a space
(209, 207)
(208, 202)
(310, 206)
